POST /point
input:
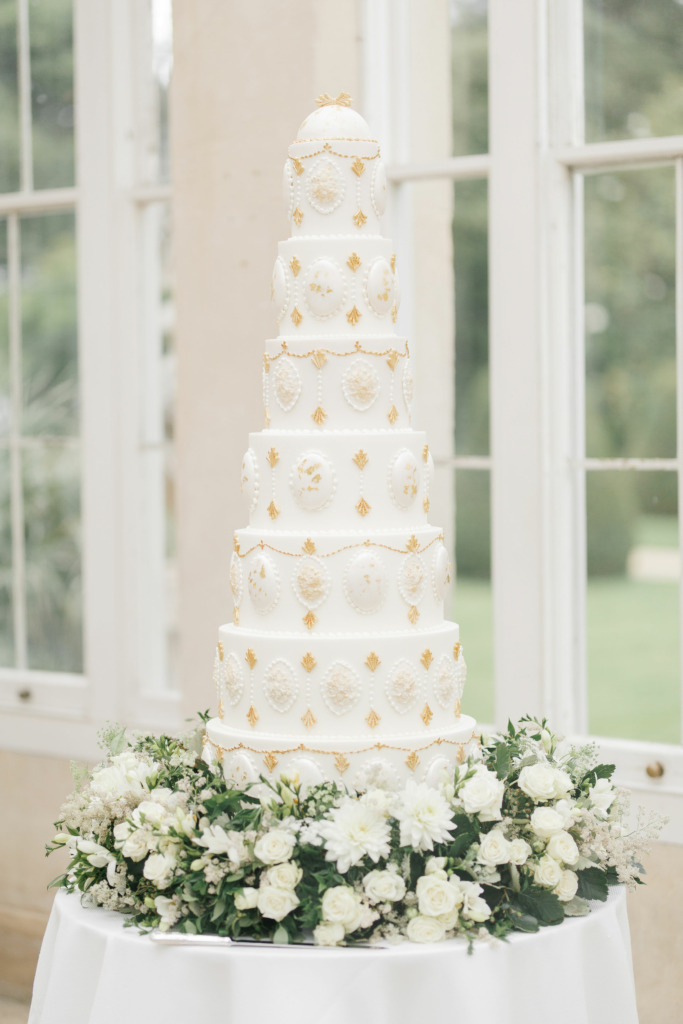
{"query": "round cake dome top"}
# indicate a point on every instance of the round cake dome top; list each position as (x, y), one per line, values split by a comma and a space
(334, 120)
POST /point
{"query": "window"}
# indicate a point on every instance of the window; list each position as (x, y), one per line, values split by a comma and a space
(544, 142)
(86, 372)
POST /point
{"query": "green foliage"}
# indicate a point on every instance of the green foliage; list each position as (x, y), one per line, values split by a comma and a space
(593, 884)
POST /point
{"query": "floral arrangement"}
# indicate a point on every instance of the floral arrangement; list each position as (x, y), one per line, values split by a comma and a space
(525, 832)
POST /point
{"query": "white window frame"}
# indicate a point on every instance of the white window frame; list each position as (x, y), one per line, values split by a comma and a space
(534, 169)
(124, 677)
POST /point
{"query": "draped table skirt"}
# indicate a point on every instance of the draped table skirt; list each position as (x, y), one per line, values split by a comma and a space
(92, 970)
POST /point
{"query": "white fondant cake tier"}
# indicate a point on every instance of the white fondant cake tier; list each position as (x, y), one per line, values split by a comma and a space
(361, 685)
(345, 582)
(334, 480)
(335, 286)
(337, 383)
(346, 760)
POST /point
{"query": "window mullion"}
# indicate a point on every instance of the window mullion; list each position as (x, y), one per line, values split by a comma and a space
(25, 113)
(679, 385)
(16, 474)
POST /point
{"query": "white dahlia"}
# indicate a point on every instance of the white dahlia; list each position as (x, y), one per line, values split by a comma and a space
(354, 831)
(425, 817)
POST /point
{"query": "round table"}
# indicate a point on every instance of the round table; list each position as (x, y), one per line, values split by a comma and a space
(92, 970)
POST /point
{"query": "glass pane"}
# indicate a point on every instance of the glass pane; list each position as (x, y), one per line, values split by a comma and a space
(633, 70)
(52, 510)
(633, 605)
(630, 314)
(469, 73)
(162, 68)
(6, 621)
(5, 387)
(9, 98)
(473, 595)
(470, 259)
(49, 325)
(52, 92)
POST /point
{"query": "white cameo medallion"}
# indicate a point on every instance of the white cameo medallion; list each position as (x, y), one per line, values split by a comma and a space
(218, 674)
(365, 582)
(239, 769)
(324, 287)
(444, 681)
(308, 772)
(236, 577)
(325, 186)
(263, 581)
(376, 774)
(287, 384)
(441, 577)
(279, 290)
(411, 579)
(312, 481)
(249, 481)
(340, 688)
(404, 478)
(439, 770)
(311, 582)
(280, 685)
(232, 681)
(360, 384)
(288, 188)
(408, 385)
(402, 687)
(460, 675)
(378, 191)
(379, 286)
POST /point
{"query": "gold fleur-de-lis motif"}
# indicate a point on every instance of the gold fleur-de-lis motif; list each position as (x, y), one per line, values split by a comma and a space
(235, 544)
(457, 647)
(393, 262)
(361, 458)
(309, 719)
(310, 620)
(318, 359)
(298, 166)
(413, 543)
(308, 661)
(392, 359)
(273, 457)
(426, 714)
(298, 216)
(358, 167)
(425, 453)
(456, 708)
(252, 716)
(309, 546)
(425, 504)
(294, 265)
(372, 661)
(342, 100)
(359, 219)
(427, 658)
(392, 415)
(219, 648)
(412, 760)
(373, 719)
(270, 761)
(362, 507)
(341, 763)
(273, 510)
(353, 262)
(460, 756)
(266, 417)
(296, 317)
(413, 614)
(353, 316)
(266, 362)
(236, 614)
(394, 313)
(319, 416)
(250, 658)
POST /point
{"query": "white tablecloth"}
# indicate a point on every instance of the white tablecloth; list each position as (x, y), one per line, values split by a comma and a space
(92, 970)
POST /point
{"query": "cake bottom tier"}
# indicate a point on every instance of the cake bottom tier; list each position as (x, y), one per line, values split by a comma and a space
(352, 760)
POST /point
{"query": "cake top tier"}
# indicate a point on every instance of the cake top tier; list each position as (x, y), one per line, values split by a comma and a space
(334, 121)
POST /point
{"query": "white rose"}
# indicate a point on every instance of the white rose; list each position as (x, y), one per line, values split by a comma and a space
(138, 844)
(275, 846)
(562, 847)
(494, 848)
(483, 795)
(565, 890)
(546, 822)
(246, 899)
(276, 903)
(384, 887)
(547, 872)
(328, 933)
(476, 909)
(602, 795)
(435, 896)
(125, 775)
(159, 869)
(341, 905)
(449, 921)
(543, 782)
(149, 812)
(284, 876)
(436, 865)
(519, 851)
(425, 929)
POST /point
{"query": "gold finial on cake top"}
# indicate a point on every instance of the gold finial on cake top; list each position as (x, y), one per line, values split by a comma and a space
(325, 100)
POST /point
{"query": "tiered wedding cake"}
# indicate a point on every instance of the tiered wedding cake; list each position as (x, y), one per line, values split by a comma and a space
(339, 664)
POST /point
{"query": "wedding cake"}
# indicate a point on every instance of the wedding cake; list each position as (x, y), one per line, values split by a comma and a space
(339, 664)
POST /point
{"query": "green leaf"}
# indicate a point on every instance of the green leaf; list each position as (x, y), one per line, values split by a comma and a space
(417, 866)
(523, 922)
(281, 937)
(218, 910)
(502, 760)
(592, 884)
(538, 903)
(601, 771)
(577, 907)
